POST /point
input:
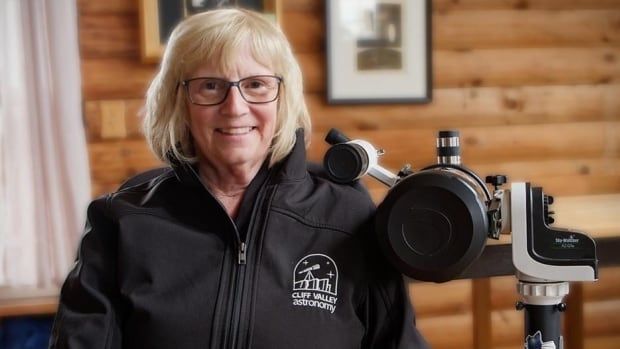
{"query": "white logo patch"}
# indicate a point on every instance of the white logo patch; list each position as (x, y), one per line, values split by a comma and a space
(315, 282)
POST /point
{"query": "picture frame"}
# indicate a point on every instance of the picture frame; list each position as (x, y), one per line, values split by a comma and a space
(378, 51)
(159, 17)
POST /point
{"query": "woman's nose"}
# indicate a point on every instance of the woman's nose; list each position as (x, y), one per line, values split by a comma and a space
(234, 104)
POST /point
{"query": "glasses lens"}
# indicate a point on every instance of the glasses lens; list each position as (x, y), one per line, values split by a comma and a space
(259, 89)
(207, 90)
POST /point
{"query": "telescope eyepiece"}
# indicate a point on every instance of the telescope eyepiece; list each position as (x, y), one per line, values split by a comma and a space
(345, 162)
(448, 148)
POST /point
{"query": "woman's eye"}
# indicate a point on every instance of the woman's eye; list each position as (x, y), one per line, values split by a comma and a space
(254, 84)
(209, 85)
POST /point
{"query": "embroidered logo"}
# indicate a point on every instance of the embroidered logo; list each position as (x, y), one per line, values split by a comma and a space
(315, 282)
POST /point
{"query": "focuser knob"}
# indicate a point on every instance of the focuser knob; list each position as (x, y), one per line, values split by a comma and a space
(496, 180)
(548, 200)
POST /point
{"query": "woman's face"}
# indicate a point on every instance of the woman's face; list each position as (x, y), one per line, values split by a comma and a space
(235, 132)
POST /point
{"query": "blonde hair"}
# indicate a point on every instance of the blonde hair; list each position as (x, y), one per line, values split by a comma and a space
(217, 36)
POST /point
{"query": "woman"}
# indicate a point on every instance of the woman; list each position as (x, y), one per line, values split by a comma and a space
(238, 244)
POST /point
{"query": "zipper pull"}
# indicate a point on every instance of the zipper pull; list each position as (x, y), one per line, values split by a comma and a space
(242, 253)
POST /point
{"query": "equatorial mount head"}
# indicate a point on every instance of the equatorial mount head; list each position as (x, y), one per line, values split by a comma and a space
(541, 253)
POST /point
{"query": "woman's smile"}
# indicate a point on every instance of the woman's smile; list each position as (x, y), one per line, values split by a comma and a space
(236, 131)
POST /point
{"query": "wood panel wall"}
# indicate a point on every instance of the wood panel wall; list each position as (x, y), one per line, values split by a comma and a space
(533, 86)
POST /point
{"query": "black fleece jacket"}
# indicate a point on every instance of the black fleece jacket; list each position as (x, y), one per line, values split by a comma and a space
(161, 265)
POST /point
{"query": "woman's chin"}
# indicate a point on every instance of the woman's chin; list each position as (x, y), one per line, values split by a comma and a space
(241, 157)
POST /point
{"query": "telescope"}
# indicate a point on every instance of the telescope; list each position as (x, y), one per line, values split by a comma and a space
(435, 222)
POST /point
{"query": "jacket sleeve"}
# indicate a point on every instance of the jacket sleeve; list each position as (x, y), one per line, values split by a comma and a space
(389, 315)
(89, 308)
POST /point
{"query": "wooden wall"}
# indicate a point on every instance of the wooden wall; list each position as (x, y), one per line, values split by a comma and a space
(533, 86)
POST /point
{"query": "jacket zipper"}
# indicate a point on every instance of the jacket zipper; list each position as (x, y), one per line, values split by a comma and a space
(237, 277)
(238, 271)
(240, 284)
(237, 290)
(241, 256)
(237, 293)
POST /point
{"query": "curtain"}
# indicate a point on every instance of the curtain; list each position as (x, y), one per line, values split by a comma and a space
(45, 181)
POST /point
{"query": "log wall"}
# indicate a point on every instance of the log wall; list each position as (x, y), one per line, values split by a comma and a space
(533, 86)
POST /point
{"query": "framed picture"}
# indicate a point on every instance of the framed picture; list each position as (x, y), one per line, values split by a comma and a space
(159, 17)
(378, 51)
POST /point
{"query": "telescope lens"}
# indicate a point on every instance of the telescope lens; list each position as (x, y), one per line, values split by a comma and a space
(432, 225)
(426, 231)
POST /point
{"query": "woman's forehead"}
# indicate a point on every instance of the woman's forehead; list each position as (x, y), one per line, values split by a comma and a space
(243, 64)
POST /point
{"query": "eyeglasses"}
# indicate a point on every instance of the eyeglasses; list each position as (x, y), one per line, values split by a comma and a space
(256, 89)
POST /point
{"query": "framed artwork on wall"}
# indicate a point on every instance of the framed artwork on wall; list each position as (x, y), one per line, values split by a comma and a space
(159, 17)
(378, 51)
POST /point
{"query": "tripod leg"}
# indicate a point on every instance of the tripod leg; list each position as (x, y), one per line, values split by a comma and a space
(542, 326)
(543, 306)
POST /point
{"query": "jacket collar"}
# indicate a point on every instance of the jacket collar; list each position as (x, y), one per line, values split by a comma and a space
(291, 168)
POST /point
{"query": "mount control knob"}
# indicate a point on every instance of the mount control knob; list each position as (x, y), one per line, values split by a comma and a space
(548, 200)
(496, 180)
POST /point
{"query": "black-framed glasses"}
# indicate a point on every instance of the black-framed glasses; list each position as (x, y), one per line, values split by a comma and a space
(255, 89)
